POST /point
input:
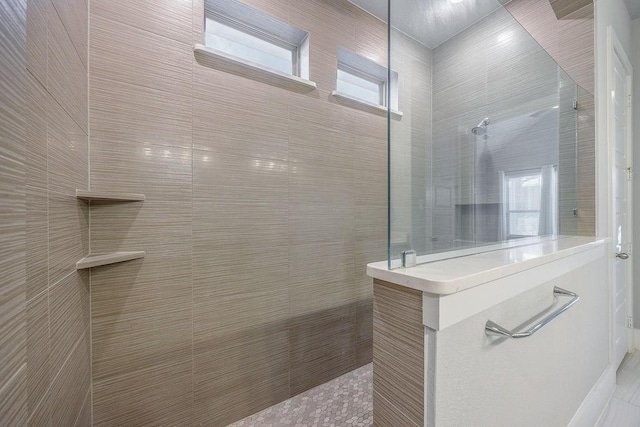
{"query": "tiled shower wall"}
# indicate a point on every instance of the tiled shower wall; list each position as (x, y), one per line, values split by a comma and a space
(263, 207)
(476, 74)
(45, 312)
(13, 207)
(570, 42)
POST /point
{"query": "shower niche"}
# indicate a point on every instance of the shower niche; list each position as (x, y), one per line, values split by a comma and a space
(486, 153)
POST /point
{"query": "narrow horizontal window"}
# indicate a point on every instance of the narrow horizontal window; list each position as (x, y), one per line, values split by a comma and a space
(361, 86)
(365, 80)
(242, 32)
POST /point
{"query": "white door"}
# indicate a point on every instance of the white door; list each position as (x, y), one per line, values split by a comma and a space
(619, 124)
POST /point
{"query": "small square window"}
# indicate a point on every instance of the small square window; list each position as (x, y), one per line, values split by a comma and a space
(364, 80)
(361, 86)
(252, 36)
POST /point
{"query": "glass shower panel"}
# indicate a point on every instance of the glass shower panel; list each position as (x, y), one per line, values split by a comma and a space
(485, 152)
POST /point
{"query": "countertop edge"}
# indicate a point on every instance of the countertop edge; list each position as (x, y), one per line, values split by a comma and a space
(417, 277)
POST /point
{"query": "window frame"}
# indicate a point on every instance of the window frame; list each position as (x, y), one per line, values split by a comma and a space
(262, 26)
(381, 84)
(366, 69)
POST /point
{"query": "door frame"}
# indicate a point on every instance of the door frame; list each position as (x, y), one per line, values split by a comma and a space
(615, 49)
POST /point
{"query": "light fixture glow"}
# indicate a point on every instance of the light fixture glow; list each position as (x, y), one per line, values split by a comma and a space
(456, 1)
(505, 37)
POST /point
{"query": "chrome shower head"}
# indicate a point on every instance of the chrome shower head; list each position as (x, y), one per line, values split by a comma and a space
(481, 129)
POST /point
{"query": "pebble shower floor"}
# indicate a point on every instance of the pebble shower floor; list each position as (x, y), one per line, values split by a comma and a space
(344, 401)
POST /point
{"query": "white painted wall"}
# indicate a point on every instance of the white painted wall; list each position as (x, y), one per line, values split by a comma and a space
(614, 13)
(635, 60)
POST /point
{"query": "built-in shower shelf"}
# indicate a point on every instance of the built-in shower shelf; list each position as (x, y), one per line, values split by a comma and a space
(359, 103)
(108, 196)
(110, 258)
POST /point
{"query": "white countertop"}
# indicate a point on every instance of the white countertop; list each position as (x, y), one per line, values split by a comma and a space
(457, 274)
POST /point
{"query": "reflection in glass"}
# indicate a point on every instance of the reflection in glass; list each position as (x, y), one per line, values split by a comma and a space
(486, 150)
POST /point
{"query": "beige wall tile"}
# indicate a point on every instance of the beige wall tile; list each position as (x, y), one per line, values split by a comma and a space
(161, 392)
(330, 24)
(67, 152)
(161, 173)
(84, 417)
(568, 40)
(586, 174)
(37, 244)
(13, 407)
(167, 18)
(56, 374)
(317, 276)
(364, 330)
(74, 15)
(320, 132)
(577, 49)
(36, 133)
(68, 235)
(371, 37)
(322, 345)
(68, 315)
(158, 227)
(273, 173)
(219, 318)
(247, 371)
(231, 179)
(71, 384)
(387, 415)
(232, 122)
(37, 38)
(40, 415)
(240, 214)
(38, 375)
(137, 114)
(319, 223)
(141, 314)
(368, 251)
(371, 190)
(398, 348)
(66, 73)
(13, 399)
(130, 55)
(13, 349)
(566, 8)
(318, 184)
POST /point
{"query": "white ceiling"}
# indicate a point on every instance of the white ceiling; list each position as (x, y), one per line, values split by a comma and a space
(634, 8)
(431, 22)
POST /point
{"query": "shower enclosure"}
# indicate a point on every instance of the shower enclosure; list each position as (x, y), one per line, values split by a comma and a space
(484, 153)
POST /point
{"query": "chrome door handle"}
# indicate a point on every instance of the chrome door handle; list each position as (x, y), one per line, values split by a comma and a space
(495, 330)
(622, 255)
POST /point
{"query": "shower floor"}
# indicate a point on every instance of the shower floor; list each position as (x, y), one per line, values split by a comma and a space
(344, 401)
(348, 401)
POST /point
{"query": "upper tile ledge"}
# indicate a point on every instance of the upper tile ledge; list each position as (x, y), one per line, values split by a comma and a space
(232, 64)
(364, 105)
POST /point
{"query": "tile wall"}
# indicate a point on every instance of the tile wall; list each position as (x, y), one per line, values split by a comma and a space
(263, 207)
(45, 320)
(570, 42)
(13, 206)
(499, 51)
(411, 148)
